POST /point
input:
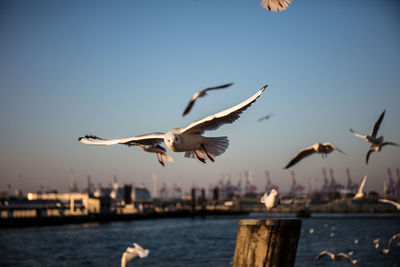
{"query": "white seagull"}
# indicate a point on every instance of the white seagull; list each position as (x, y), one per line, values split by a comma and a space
(396, 204)
(159, 150)
(265, 117)
(275, 5)
(376, 142)
(189, 139)
(323, 149)
(131, 253)
(360, 194)
(201, 94)
(336, 257)
(271, 200)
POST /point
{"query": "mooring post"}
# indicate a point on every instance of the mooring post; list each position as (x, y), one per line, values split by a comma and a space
(267, 242)
(193, 200)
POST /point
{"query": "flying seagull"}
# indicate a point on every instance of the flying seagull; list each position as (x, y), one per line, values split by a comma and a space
(131, 253)
(265, 117)
(336, 257)
(275, 5)
(271, 200)
(323, 149)
(159, 150)
(396, 236)
(360, 194)
(376, 142)
(189, 139)
(396, 204)
(201, 94)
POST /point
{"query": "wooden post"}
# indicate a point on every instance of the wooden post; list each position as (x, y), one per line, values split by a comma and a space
(267, 242)
(193, 200)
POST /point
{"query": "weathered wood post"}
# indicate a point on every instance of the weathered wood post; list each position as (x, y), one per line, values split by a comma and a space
(267, 242)
(193, 200)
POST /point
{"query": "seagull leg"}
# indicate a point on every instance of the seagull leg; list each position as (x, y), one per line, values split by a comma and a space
(277, 213)
(207, 153)
(160, 159)
(201, 159)
(269, 215)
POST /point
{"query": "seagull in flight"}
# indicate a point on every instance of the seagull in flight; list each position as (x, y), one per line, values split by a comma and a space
(201, 94)
(323, 149)
(396, 204)
(376, 142)
(189, 139)
(360, 194)
(271, 200)
(336, 257)
(131, 253)
(157, 149)
(265, 117)
(275, 5)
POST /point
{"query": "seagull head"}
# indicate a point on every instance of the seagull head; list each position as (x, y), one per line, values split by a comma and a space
(172, 140)
(274, 192)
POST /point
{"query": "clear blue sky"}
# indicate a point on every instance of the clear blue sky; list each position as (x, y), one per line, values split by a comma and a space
(126, 68)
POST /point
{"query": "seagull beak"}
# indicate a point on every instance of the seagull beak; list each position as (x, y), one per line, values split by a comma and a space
(172, 142)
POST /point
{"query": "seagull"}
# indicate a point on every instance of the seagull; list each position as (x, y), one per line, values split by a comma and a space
(131, 253)
(376, 142)
(396, 236)
(323, 149)
(270, 201)
(275, 5)
(201, 94)
(265, 117)
(189, 139)
(159, 150)
(396, 204)
(336, 257)
(360, 194)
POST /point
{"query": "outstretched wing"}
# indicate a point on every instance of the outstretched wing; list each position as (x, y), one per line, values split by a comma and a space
(213, 122)
(323, 253)
(389, 143)
(361, 187)
(363, 136)
(345, 256)
(217, 87)
(377, 124)
(368, 154)
(275, 5)
(302, 154)
(147, 139)
(396, 236)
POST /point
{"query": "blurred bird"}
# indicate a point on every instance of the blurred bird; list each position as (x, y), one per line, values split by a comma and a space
(131, 253)
(376, 142)
(360, 194)
(332, 235)
(159, 150)
(355, 242)
(323, 149)
(396, 236)
(375, 241)
(275, 5)
(189, 139)
(396, 204)
(311, 230)
(336, 257)
(201, 94)
(265, 117)
(270, 201)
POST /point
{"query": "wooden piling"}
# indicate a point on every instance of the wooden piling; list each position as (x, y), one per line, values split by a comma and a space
(266, 242)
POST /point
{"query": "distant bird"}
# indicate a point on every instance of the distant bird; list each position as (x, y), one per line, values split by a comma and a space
(375, 241)
(201, 94)
(311, 230)
(396, 204)
(323, 149)
(376, 142)
(385, 251)
(332, 235)
(189, 139)
(275, 5)
(360, 194)
(265, 117)
(159, 150)
(355, 242)
(131, 253)
(270, 201)
(336, 257)
(396, 236)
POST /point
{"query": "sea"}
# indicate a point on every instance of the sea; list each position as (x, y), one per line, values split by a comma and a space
(208, 241)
